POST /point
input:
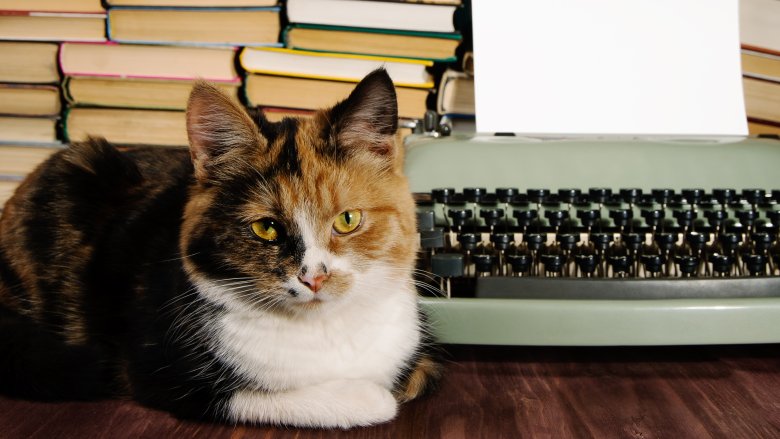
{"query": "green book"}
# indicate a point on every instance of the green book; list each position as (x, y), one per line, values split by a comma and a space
(433, 46)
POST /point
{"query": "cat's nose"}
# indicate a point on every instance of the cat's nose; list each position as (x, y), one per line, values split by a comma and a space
(314, 281)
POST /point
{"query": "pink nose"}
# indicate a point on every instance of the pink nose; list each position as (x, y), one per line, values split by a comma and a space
(314, 282)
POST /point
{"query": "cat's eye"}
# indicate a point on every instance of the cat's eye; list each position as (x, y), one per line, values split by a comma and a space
(348, 221)
(267, 230)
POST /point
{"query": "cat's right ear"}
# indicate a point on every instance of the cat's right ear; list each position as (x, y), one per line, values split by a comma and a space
(218, 129)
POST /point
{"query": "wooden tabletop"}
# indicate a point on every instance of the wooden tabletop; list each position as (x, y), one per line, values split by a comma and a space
(498, 392)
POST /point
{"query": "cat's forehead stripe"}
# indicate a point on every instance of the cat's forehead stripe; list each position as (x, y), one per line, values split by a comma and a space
(288, 158)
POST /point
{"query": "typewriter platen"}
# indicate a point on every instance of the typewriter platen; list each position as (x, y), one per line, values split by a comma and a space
(598, 242)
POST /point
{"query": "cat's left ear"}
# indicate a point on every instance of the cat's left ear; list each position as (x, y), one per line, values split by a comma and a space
(367, 120)
(218, 129)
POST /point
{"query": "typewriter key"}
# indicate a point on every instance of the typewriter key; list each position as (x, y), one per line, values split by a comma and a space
(425, 220)
(506, 194)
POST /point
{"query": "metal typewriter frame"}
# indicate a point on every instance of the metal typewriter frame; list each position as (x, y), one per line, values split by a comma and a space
(496, 161)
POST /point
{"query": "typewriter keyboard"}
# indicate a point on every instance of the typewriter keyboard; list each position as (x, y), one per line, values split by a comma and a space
(509, 242)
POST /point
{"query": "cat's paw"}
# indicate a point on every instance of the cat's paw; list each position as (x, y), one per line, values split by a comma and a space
(333, 404)
(360, 403)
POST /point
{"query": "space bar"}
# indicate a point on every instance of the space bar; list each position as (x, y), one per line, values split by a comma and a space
(503, 287)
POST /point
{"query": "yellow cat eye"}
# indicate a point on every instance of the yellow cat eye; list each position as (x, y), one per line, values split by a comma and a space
(348, 221)
(267, 229)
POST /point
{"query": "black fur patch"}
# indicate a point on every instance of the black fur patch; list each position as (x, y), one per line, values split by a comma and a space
(288, 159)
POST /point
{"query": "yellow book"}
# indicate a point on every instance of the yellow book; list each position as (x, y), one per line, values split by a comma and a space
(27, 129)
(16, 161)
(134, 93)
(32, 63)
(29, 100)
(312, 94)
(127, 126)
(45, 26)
(332, 66)
(238, 27)
(761, 65)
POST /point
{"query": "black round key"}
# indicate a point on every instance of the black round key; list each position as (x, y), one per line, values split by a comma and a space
(652, 263)
(724, 196)
(756, 264)
(483, 262)
(599, 194)
(693, 196)
(534, 240)
(729, 241)
(621, 217)
(721, 263)
(601, 240)
(524, 217)
(715, 217)
(520, 262)
(747, 217)
(506, 194)
(468, 241)
(567, 241)
(620, 264)
(666, 240)
(425, 220)
(662, 196)
(586, 263)
(552, 263)
(753, 196)
(684, 217)
(556, 217)
(537, 195)
(569, 195)
(501, 240)
(774, 217)
(589, 217)
(762, 241)
(653, 217)
(630, 195)
(687, 264)
(474, 194)
(447, 264)
(633, 240)
(433, 238)
(459, 216)
(443, 195)
(491, 216)
(697, 240)
(776, 195)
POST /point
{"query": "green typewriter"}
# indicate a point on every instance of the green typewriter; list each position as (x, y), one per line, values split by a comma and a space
(598, 241)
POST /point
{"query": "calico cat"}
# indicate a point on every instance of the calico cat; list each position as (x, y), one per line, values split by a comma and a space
(265, 277)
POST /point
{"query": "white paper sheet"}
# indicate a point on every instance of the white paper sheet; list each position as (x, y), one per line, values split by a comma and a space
(643, 67)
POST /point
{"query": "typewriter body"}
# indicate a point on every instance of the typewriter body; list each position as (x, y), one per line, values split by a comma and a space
(599, 241)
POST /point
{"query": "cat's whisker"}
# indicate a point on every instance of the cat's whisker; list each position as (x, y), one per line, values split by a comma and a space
(180, 258)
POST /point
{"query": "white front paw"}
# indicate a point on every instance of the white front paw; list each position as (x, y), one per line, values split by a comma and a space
(360, 403)
(333, 404)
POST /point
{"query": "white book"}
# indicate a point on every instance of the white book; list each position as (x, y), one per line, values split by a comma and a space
(373, 14)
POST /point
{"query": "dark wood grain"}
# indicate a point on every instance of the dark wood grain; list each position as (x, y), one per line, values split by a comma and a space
(492, 392)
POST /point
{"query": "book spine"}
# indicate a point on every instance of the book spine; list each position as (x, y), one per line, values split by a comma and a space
(65, 71)
(348, 56)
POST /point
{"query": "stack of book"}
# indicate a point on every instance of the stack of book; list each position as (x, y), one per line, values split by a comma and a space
(331, 44)
(455, 97)
(759, 24)
(29, 80)
(137, 94)
(30, 100)
(134, 89)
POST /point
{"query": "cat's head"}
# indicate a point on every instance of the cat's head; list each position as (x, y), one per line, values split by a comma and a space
(299, 214)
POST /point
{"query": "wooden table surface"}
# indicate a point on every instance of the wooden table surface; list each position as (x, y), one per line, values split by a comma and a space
(498, 392)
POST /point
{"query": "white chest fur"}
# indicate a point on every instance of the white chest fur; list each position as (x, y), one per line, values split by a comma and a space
(368, 337)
